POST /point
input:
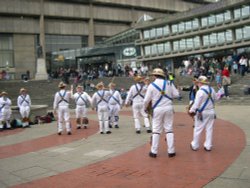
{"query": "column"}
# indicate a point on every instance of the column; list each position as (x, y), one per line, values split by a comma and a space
(91, 37)
(41, 72)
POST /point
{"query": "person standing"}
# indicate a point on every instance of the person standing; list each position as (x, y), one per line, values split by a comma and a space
(100, 103)
(115, 105)
(161, 94)
(61, 107)
(82, 99)
(136, 96)
(226, 81)
(5, 110)
(203, 109)
(24, 104)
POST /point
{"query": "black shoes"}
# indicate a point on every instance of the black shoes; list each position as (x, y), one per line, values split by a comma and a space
(110, 126)
(85, 127)
(101, 132)
(116, 126)
(59, 133)
(78, 127)
(207, 149)
(108, 132)
(69, 133)
(171, 155)
(153, 155)
(138, 132)
(149, 131)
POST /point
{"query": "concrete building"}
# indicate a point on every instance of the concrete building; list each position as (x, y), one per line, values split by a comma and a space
(28, 26)
(218, 29)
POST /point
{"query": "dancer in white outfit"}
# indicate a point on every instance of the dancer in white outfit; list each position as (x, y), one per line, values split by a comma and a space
(203, 108)
(5, 110)
(100, 103)
(161, 94)
(115, 105)
(61, 106)
(24, 104)
(136, 95)
(82, 100)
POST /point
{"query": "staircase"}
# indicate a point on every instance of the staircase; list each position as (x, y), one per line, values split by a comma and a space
(42, 92)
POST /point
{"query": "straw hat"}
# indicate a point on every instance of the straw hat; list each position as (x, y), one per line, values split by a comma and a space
(111, 84)
(22, 90)
(138, 78)
(3, 93)
(158, 72)
(203, 80)
(79, 86)
(61, 85)
(100, 85)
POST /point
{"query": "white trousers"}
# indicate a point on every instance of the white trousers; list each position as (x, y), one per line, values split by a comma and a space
(25, 112)
(103, 117)
(81, 111)
(138, 111)
(5, 115)
(163, 119)
(207, 123)
(114, 114)
(63, 116)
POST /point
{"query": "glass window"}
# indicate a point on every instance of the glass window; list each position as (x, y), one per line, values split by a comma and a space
(245, 11)
(205, 40)
(211, 20)
(237, 13)
(229, 35)
(160, 48)
(221, 37)
(188, 25)
(181, 27)
(147, 50)
(189, 43)
(159, 32)
(176, 45)
(174, 28)
(146, 34)
(197, 42)
(166, 30)
(246, 32)
(219, 18)
(154, 49)
(6, 51)
(238, 34)
(204, 22)
(213, 38)
(182, 44)
(227, 15)
(195, 23)
(153, 33)
(167, 47)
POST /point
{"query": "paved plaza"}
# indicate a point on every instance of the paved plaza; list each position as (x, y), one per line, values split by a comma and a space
(38, 157)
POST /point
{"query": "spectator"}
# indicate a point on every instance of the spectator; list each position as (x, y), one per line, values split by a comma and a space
(226, 81)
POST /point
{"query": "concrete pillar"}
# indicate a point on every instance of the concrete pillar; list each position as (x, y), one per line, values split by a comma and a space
(41, 72)
(91, 37)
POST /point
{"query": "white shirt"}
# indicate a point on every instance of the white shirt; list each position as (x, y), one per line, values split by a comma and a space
(201, 97)
(23, 100)
(133, 93)
(80, 98)
(100, 98)
(154, 94)
(115, 97)
(5, 103)
(61, 98)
